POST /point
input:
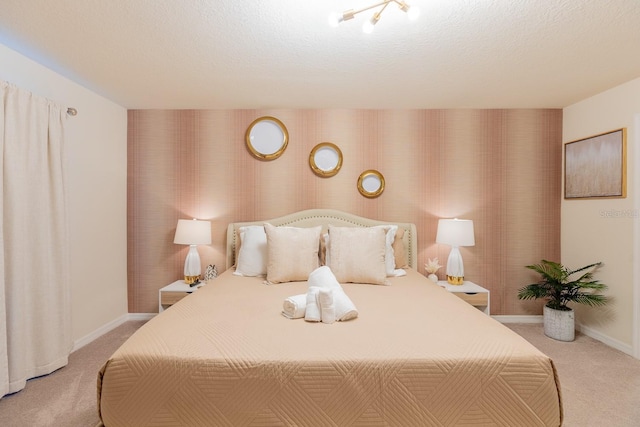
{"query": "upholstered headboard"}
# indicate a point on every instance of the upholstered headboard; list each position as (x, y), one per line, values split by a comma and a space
(324, 217)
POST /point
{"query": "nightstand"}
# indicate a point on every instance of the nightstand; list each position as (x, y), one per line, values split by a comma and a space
(475, 295)
(173, 293)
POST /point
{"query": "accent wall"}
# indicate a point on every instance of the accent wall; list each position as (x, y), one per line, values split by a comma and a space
(500, 168)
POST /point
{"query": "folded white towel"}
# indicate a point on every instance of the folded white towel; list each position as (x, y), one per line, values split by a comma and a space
(323, 277)
(312, 311)
(327, 309)
(345, 308)
(294, 307)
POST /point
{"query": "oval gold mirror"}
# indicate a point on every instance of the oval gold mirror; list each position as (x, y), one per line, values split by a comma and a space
(371, 183)
(325, 159)
(266, 138)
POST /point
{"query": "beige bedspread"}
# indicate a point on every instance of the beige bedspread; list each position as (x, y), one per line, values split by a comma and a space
(416, 355)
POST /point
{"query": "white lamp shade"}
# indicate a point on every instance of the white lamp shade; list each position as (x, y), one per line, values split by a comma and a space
(455, 232)
(193, 232)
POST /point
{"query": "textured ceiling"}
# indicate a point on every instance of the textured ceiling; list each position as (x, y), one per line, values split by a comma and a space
(283, 54)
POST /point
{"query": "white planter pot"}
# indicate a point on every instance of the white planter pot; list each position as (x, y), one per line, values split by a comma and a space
(559, 325)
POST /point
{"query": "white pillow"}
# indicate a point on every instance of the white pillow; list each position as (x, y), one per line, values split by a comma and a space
(389, 258)
(252, 256)
(389, 253)
(357, 254)
(292, 252)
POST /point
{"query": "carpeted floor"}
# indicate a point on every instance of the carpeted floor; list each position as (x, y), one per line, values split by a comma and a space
(600, 385)
(66, 397)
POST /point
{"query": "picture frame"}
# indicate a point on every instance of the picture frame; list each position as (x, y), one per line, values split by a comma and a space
(596, 167)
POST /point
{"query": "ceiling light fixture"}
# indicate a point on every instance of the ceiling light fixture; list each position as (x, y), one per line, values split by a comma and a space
(336, 18)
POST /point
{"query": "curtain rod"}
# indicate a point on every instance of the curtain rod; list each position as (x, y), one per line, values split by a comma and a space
(72, 111)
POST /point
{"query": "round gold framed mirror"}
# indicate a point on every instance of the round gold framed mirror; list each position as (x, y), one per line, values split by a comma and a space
(325, 159)
(266, 138)
(371, 183)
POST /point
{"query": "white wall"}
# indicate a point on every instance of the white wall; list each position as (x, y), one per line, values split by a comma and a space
(96, 144)
(603, 229)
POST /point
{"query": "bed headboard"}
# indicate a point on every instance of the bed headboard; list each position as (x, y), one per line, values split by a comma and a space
(324, 217)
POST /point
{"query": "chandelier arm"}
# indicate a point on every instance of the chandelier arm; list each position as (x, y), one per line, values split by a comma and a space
(385, 3)
(376, 16)
(335, 19)
(402, 5)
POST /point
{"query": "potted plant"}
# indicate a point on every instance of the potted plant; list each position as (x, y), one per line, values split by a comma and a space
(559, 286)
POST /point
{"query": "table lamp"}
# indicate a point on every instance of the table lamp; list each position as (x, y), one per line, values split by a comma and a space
(192, 232)
(455, 233)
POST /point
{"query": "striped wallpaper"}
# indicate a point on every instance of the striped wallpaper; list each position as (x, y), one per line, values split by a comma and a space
(500, 168)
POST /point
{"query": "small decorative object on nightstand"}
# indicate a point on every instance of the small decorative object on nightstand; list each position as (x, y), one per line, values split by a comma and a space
(173, 293)
(432, 266)
(210, 272)
(475, 295)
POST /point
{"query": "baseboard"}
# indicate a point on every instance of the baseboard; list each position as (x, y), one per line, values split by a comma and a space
(592, 333)
(78, 344)
(518, 319)
(99, 332)
(141, 316)
(605, 339)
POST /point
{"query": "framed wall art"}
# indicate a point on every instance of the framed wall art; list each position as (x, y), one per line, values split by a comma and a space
(596, 167)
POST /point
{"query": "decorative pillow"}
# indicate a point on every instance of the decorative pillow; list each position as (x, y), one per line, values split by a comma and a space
(252, 256)
(395, 253)
(324, 244)
(292, 252)
(399, 252)
(357, 255)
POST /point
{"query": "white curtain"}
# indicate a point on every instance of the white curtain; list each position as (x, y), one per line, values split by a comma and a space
(35, 319)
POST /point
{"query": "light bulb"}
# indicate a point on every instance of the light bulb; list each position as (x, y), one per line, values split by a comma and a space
(368, 26)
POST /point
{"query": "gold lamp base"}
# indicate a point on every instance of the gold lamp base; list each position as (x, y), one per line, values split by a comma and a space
(191, 279)
(453, 280)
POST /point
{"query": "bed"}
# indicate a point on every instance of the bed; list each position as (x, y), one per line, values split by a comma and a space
(415, 355)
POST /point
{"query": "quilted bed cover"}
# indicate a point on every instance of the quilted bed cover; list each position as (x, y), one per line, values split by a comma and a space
(416, 356)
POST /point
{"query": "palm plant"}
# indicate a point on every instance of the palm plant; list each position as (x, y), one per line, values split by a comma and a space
(557, 286)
